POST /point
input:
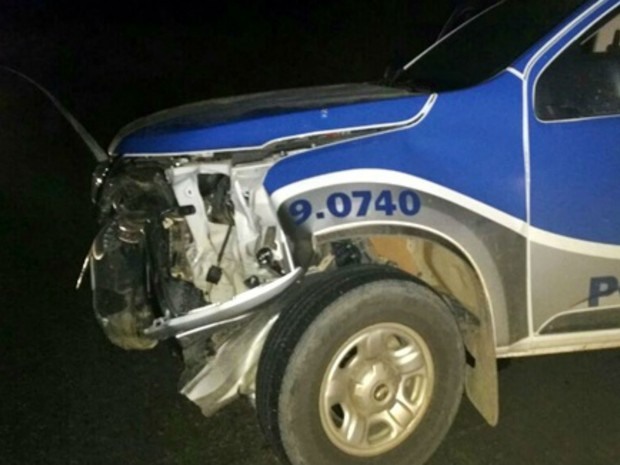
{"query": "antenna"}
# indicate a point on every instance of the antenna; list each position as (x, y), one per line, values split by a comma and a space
(97, 151)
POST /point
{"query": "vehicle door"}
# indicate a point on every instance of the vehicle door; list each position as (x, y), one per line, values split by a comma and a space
(573, 93)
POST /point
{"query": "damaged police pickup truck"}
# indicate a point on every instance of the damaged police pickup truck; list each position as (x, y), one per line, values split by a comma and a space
(353, 257)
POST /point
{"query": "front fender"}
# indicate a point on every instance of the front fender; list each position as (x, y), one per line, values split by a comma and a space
(366, 202)
(478, 247)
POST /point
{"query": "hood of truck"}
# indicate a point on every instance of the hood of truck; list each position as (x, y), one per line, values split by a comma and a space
(256, 120)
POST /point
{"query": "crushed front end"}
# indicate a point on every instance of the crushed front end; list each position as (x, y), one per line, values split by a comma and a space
(188, 249)
(190, 246)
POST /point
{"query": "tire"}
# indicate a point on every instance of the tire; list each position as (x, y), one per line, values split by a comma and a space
(363, 345)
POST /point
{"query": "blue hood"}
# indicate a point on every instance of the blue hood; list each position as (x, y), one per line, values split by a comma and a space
(252, 121)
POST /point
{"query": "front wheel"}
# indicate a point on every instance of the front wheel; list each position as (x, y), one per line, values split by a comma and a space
(365, 367)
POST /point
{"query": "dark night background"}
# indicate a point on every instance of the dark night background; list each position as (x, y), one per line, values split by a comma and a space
(70, 397)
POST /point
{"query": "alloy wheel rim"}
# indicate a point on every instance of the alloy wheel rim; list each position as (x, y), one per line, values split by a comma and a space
(376, 389)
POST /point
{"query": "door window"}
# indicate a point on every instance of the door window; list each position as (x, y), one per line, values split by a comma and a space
(584, 80)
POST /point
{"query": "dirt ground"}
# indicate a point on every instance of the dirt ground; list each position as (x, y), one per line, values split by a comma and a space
(68, 396)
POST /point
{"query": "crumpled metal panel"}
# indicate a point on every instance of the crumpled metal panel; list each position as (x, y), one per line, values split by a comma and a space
(232, 371)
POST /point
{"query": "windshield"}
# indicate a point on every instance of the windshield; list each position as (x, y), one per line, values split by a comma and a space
(484, 46)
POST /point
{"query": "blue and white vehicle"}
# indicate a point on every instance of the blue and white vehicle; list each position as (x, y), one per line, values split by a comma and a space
(353, 257)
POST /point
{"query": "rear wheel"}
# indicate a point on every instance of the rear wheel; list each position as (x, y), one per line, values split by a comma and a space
(366, 366)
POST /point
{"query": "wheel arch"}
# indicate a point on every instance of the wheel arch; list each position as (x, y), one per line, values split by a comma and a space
(446, 266)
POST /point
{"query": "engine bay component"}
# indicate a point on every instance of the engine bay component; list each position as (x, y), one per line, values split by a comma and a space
(120, 293)
(215, 315)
